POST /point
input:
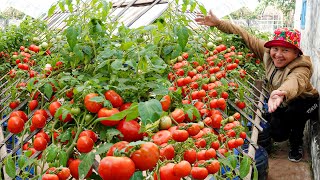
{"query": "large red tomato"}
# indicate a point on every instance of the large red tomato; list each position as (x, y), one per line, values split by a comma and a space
(74, 169)
(20, 114)
(161, 137)
(92, 106)
(165, 102)
(104, 112)
(115, 99)
(15, 125)
(116, 168)
(84, 144)
(118, 147)
(146, 157)
(54, 106)
(130, 130)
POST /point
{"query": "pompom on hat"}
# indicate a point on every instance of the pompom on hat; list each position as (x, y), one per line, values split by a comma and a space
(285, 37)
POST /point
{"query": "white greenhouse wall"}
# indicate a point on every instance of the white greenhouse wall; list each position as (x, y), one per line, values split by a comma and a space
(311, 46)
(310, 35)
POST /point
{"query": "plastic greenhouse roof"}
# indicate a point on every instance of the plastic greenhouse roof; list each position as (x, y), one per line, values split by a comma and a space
(36, 8)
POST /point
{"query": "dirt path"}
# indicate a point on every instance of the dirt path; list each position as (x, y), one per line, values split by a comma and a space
(280, 168)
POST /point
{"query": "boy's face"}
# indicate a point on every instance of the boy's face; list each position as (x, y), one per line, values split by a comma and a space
(282, 56)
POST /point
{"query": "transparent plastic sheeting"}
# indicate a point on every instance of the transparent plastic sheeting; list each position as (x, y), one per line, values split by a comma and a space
(33, 8)
(223, 8)
(36, 8)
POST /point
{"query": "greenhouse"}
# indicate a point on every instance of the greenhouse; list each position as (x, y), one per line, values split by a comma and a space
(159, 89)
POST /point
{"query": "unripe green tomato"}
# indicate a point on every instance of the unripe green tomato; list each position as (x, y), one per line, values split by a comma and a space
(230, 119)
(210, 45)
(201, 124)
(165, 122)
(44, 45)
(26, 50)
(58, 38)
(179, 58)
(35, 39)
(75, 110)
(88, 117)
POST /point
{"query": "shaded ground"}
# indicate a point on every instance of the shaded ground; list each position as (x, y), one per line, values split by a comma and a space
(280, 168)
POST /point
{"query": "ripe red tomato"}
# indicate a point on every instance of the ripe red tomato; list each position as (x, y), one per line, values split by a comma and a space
(216, 120)
(44, 135)
(211, 153)
(53, 107)
(118, 147)
(129, 130)
(190, 155)
(114, 98)
(146, 157)
(241, 104)
(243, 135)
(14, 104)
(199, 172)
(104, 112)
(20, 114)
(90, 134)
(84, 144)
(74, 169)
(232, 143)
(178, 115)
(239, 142)
(182, 169)
(68, 118)
(116, 168)
(92, 106)
(213, 167)
(166, 152)
(15, 125)
(125, 106)
(166, 172)
(161, 137)
(69, 93)
(165, 102)
(64, 173)
(38, 121)
(194, 129)
(180, 135)
(40, 143)
(201, 155)
(215, 145)
(50, 177)
(185, 55)
(33, 104)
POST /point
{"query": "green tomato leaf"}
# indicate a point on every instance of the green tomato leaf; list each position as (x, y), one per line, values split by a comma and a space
(167, 50)
(133, 112)
(10, 167)
(51, 10)
(176, 52)
(183, 36)
(136, 143)
(61, 5)
(22, 161)
(245, 166)
(203, 10)
(111, 133)
(118, 65)
(137, 176)
(86, 164)
(63, 158)
(103, 148)
(255, 173)
(143, 66)
(51, 152)
(125, 46)
(233, 161)
(65, 136)
(78, 52)
(48, 91)
(150, 111)
(97, 99)
(72, 36)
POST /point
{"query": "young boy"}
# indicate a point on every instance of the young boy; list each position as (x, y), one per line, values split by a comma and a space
(293, 100)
